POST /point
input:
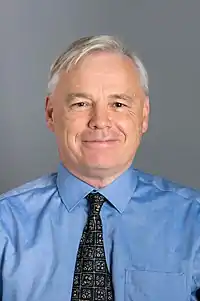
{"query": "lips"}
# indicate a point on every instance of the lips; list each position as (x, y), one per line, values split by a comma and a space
(99, 143)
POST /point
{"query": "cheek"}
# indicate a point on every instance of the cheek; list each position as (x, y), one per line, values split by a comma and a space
(63, 120)
(137, 120)
(131, 127)
(128, 124)
(72, 127)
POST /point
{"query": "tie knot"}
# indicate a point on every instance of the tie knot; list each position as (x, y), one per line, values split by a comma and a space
(96, 201)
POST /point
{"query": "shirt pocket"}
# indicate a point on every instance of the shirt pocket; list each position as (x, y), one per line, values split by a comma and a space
(145, 285)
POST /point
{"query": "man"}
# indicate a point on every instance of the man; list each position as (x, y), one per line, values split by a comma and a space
(99, 229)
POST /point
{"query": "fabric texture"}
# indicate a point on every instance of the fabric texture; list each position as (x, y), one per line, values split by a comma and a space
(92, 279)
(151, 237)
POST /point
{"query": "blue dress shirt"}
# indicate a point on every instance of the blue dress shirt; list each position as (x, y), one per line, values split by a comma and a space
(151, 230)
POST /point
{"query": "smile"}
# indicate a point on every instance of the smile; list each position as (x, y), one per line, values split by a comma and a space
(100, 143)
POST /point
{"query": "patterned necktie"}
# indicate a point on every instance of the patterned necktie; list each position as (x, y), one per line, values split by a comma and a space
(92, 280)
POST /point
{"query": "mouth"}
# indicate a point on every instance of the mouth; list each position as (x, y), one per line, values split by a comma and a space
(100, 143)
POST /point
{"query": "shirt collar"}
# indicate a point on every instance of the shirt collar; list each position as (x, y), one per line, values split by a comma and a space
(72, 190)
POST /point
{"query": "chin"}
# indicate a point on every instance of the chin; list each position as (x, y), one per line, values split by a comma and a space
(100, 164)
(103, 161)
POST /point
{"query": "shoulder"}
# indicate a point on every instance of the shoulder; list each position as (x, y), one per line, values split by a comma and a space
(19, 205)
(34, 187)
(20, 209)
(162, 185)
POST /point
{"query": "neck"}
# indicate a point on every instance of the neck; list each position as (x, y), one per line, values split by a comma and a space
(98, 182)
(100, 178)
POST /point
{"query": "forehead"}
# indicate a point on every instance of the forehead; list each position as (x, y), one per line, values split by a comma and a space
(102, 70)
(106, 61)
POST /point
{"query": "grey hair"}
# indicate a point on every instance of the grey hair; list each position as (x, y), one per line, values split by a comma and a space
(87, 45)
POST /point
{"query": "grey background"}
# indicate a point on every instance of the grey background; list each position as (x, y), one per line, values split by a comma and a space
(164, 33)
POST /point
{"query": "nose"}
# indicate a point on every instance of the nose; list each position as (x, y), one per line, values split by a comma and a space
(100, 118)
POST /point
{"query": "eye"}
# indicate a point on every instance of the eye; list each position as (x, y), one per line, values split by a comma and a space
(118, 104)
(80, 104)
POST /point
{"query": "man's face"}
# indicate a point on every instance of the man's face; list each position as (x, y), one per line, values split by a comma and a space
(98, 112)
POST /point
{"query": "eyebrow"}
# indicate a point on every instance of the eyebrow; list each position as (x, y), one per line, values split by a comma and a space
(122, 96)
(72, 96)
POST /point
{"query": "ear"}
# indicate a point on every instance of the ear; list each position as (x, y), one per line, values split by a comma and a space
(146, 112)
(49, 113)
